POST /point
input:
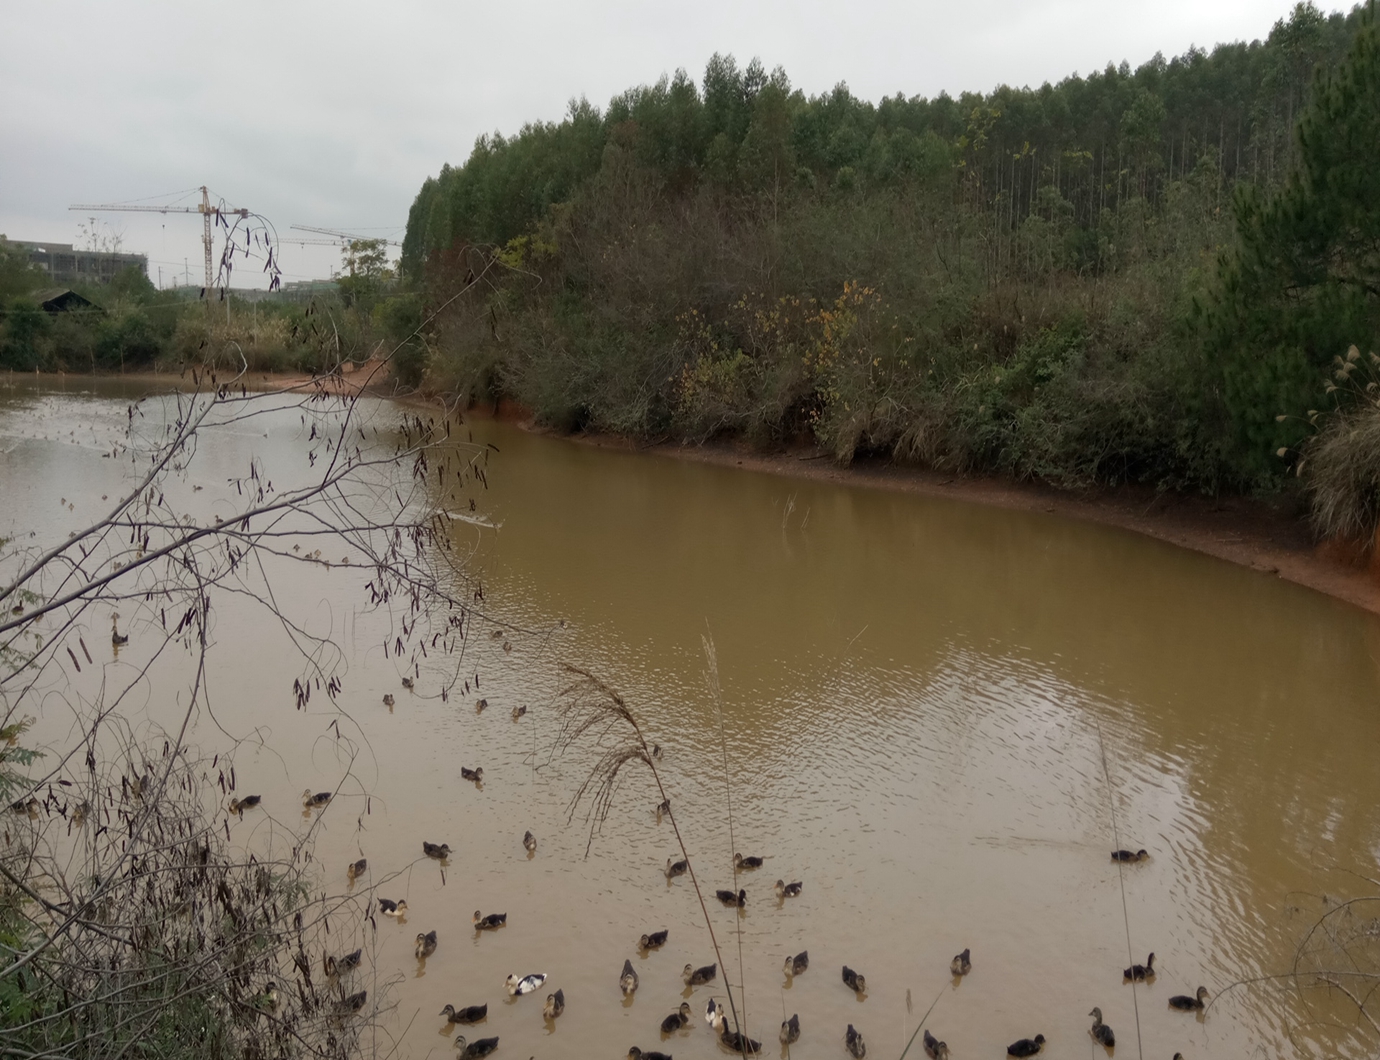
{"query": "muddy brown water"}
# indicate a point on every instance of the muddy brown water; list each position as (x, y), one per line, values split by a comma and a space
(918, 697)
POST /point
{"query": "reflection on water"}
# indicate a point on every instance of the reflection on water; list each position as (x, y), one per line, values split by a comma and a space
(922, 704)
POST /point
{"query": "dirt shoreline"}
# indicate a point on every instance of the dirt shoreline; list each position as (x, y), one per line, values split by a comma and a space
(1269, 536)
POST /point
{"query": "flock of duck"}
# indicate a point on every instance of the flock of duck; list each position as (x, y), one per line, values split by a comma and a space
(715, 1014)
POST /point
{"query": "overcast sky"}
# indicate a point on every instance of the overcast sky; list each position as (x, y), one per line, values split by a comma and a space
(332, 114)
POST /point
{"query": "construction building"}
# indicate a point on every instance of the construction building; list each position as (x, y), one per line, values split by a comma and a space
(65, 264)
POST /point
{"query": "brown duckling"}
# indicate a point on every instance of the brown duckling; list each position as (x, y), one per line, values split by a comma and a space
(676, 1020)
(426, 945)
(555, 1005)
(312, 802)
(853, 1042)
(1189, 1004)
(752, 862)
(488, 923)
(676, 868)
(388, 700)
(482, 1047)
(468, 1014)
(790, 1030)
(518, 712)
(934, 1048)
(788, 890)
(246, 803)
(635, 1053)
(1026, 1046)
(663, 807)
(797, 964)
(962, 964)
(356, 869)
(439, 851)
(699, 976)
(529, 842)
(336, 966)
(653, 940)
(116, 638)
(476, 774)
(854, 980)
(408, 683)
(627, 982)
(354, 1002)
(1140, 972)
(1127, 855)
(729, 898)
(1101, 1033)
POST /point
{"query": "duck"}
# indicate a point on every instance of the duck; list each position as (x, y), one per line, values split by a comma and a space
(676, 868)
(853, 1042)
(526, 985)
(653, 940)
(1188, 1004)
(479, 707)
(797, 964)
(488, 923)
(635, 1053)
(388, 907)
(663, 807)
(1126, 855)
(788, 890)
(1140, 972)
(854, 980)
(311, 801)
(408, 683)
(1100, 1032)
(388, 699)
(529, 842)
(518, 712)
(356, 869)
(656, 750)
(246, 803)
(468, 1014)
(790, 1030)
(1026, 1046)
(699, 976)
(426, 945)
(482, 1047)
(676, 1020)
(555, 1005)
(627, 982)
(729, 898)
(25, 807)
(711, 1011)
(439, 851)
(354, 1002)
(962, 964)
(116, 637)
(740, 862)
(271, 998)
(735, 1040)
(934, 1048)
(336, 966)
(476, 774)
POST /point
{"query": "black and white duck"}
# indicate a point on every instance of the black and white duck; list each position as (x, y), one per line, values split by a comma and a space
(788, 890)
(388, 907)
(388, 700)
(1189, 1004)
(246, 803)
(488, 923)
(526, 985)
(676, 868)
(1101, 1033)
(312, 802)
(467, 1014)
(699, 976)
(676, 1020)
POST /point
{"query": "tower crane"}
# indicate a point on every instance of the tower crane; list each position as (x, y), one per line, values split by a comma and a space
(207, 211)
(348, 236)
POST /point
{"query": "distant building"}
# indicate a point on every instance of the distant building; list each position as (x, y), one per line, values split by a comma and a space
(65, 264)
